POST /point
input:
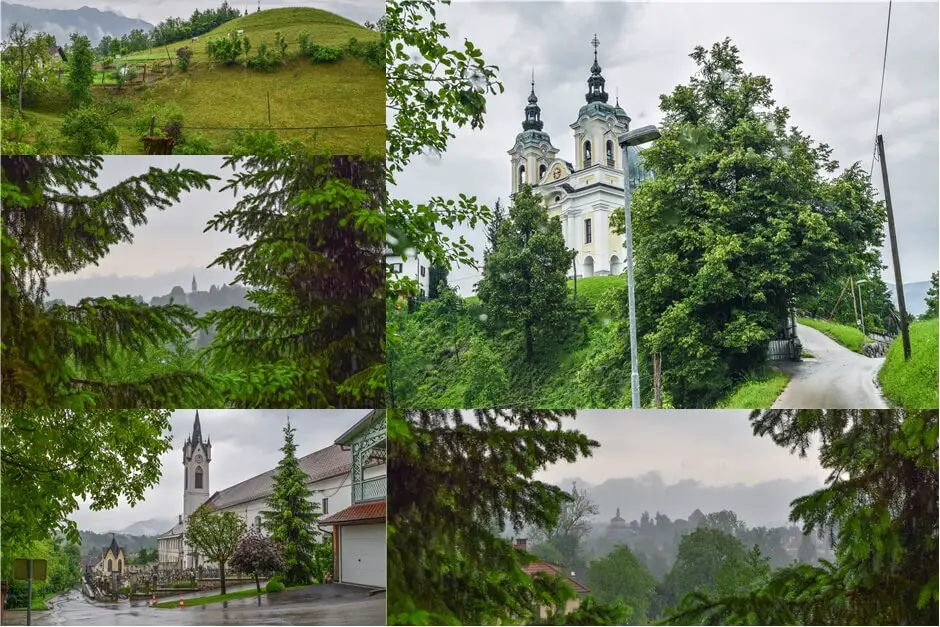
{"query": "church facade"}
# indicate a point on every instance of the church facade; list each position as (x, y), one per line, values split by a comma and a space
(584, 193)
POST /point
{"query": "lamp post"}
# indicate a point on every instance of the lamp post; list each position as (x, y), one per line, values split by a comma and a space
(632, 138)
(861, 306)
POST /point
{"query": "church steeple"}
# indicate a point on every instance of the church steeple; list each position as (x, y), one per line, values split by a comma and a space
(197, 430)
(533, 112)
(596, 82)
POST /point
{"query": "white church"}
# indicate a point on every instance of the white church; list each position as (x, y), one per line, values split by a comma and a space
(585, 193)
(346, 482)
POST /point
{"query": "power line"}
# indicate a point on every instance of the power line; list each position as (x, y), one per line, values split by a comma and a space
(884, 65)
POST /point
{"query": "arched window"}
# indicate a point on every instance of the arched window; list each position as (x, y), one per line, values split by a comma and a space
(521, 176)
(110, 565)
(198, 478)
(610, 153)
(542, 170)
(587, 153)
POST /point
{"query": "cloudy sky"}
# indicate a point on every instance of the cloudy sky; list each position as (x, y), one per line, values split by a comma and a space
(244, 444)
(156, 11)
(824, 61)
(166, 251)
(676, 461)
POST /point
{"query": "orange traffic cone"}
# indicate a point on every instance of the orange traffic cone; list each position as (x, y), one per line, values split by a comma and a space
(182, 603)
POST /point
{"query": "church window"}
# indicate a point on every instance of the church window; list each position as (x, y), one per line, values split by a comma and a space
(110, 565)
(542, 170)
(558, 198)
(610, 153)
(326, 506)
(198, 478)
(396, 268)
(423, 270)
(186, 481)
(587, 154)
(587, 231)
(521, 176)
(257, 522)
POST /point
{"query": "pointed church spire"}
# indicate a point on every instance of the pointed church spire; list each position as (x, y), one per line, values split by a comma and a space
(194, 284)
(197, 430)
(596, 82)
(533, 113)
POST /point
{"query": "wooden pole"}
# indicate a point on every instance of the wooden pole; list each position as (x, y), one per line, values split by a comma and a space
(658, 379)
(899, 283)
(269, 109)
(831, 313)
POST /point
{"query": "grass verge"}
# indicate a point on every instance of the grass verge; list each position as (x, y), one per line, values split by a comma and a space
(758, 391)
(215, 598)
(39, 603)
(912, 384)
(847, 336)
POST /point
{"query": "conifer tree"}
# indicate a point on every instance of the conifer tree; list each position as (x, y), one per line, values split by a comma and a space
(315, 336)
(292, 518)
(524, 285)
(56, 220)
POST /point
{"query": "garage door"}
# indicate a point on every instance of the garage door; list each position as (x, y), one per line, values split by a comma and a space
(363, 555)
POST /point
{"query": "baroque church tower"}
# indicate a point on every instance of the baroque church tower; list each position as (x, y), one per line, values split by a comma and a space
(196, 457)
(583, 194)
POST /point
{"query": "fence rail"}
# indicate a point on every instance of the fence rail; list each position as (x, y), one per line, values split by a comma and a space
(369, 490)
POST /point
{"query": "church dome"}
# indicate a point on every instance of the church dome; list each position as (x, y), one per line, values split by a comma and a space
(617, 521)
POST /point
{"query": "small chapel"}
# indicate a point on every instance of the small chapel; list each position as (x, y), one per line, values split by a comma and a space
(583, 193)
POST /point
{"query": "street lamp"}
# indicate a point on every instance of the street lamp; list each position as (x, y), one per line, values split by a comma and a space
(861, 307)
(632, 138)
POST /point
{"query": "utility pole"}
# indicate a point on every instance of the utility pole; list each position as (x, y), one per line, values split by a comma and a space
(899, 283)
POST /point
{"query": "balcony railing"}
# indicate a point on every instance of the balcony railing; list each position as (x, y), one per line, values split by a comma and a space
(369, 490)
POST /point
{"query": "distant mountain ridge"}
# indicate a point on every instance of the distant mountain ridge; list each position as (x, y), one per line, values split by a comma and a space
(914, 294)
(62, 22)
(151, 527)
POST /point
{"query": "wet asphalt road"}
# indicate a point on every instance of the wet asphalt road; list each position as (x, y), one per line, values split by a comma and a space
(835, 378)
(332, 604)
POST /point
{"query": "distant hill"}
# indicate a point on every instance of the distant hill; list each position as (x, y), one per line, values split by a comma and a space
(73, 290)
(95, 543)
(914, 294)
(152, 527)
(62, 22)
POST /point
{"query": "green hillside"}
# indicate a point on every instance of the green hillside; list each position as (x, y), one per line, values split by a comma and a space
(912, 384)
(213, 99)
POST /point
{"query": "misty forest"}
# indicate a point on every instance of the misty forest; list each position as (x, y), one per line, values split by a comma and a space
(301, 326)
(474, 539)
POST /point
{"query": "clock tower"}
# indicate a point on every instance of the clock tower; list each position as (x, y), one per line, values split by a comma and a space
(196, 457)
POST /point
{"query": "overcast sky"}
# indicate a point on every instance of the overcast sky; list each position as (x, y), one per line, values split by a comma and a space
(155, 11)
(824, 61)
(167, 250)
(675, 461)
(245, 443)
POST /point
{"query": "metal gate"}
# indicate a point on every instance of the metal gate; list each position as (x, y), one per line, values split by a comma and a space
(785, 344)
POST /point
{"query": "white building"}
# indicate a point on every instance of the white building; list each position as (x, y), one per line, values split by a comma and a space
(359, 536)
(415, 267)
(329, 478)
(585, 193)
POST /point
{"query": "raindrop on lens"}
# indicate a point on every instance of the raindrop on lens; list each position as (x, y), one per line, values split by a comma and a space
(483, 317)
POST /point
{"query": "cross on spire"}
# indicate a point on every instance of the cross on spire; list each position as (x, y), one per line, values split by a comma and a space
(595, 43)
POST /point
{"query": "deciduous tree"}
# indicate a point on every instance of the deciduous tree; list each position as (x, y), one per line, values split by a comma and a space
(25, 55)
(620, 577)
(81, 63)
(257, 555)
(215, 535)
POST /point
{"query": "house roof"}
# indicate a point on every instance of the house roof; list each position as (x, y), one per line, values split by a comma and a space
(551, 570)
(113, 547)
(372, 510)
(323, 464)
(354, 431)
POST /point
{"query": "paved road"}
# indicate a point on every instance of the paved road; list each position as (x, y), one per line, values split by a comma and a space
(332, 604)
(835, 378)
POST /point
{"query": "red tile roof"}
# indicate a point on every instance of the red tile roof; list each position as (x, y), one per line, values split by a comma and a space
(373, 510)
(539, 566)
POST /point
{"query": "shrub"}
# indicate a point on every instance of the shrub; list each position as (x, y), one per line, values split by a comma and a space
(166, 114)
(228, 49)
(264, 59)
(193, 145)
(303, 39)
(183, 56)
(324, 54)
(274, 585)
(88, 131)
(280, 45)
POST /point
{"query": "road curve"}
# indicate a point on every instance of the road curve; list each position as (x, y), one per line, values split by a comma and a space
(835, 378)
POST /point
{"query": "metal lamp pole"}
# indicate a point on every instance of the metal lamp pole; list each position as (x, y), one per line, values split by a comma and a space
(632, 138)
(861, 306)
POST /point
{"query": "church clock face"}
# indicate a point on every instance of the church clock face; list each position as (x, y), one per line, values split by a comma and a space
(198, 459)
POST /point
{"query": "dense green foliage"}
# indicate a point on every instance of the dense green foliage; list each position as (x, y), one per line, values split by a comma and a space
(291, 518)
(879, 505)
(523, 288)
(170, 30)
(88, 131)
(743, 218)
(51, 459)
(912, 383)
(81, 72)
(931, 298)
(215, 536)
(460, 481)
(834, 302)
(620, 577)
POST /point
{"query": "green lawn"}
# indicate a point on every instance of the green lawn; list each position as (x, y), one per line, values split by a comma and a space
(847, 336)
(592, 288)
(759, 391)
(343, 101)
(912, 384)
(215, 598)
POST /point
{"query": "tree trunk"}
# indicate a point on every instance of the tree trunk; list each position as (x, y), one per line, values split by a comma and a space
(257, 583)
(528, 342)
(222, 575)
